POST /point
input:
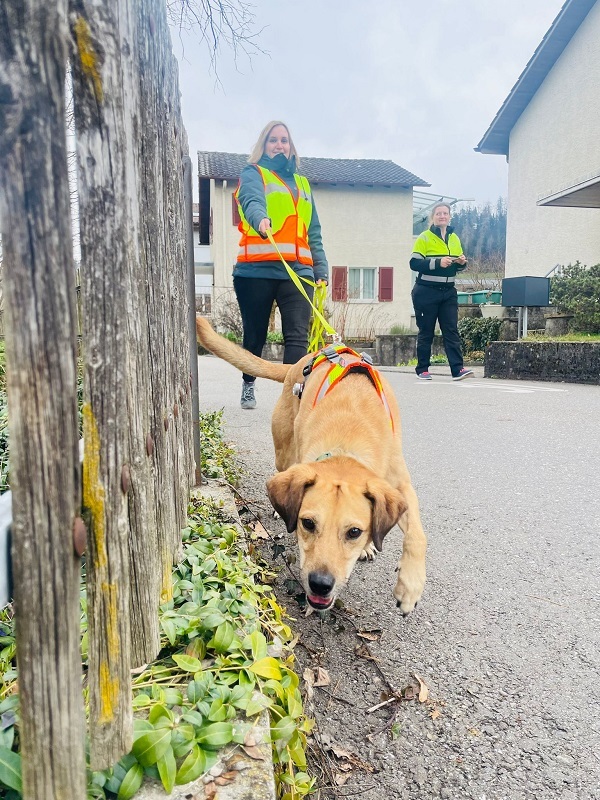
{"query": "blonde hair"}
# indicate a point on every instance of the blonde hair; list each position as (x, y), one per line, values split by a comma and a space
(435, 208)
(259, 148)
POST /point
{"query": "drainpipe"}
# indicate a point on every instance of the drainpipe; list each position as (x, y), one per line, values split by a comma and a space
(224, 229)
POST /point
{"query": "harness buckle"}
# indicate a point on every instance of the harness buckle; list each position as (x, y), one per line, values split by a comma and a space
(297, 389)
(367, 359)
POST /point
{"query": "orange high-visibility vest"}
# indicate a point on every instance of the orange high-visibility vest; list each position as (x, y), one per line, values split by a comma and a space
(290, 220)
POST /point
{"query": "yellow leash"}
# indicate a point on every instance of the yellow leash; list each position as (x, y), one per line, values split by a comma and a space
(319, 324)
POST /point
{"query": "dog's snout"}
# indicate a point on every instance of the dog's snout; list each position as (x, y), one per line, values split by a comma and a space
(321, 583)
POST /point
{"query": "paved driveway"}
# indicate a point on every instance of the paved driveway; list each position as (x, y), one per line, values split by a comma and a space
(507, 636)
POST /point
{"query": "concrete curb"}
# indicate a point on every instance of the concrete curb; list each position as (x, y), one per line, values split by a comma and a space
(255, 778)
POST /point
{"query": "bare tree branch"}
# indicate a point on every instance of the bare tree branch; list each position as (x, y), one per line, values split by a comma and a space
(218, 22)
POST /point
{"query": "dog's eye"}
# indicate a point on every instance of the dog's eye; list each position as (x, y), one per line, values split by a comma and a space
(308, 524)
(354, 533)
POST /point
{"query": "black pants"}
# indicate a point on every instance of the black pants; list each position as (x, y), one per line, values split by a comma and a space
(437, 304)
(255, 298)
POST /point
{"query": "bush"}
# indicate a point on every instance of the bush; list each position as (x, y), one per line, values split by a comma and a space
(577, 292)
(476, 333)
(400, 330)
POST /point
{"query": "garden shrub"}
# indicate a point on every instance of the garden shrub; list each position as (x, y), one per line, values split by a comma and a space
(476, 332)
(577, 291)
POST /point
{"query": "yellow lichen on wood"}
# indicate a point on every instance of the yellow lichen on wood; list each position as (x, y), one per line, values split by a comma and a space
(166, 590)
(109, 687)
(109, 694)
(93, 491)
(109, 596)
(88, 56)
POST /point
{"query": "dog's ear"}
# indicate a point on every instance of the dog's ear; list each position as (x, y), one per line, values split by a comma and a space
(286, 491)
(388, 507)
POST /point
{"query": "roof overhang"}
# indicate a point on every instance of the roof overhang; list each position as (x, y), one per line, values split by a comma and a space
(584, 194)
(495, 140)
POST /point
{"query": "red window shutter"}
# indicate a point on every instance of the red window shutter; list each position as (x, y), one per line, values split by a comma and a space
(386, 284)
(235, 213)
(339, 283)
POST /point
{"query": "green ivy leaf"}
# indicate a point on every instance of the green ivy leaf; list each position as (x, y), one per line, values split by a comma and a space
(187, 663)
(294, 703)
(173, 697)
(283, 731)
(159, 711)
(222, 638)
(267, 667)
(10, 769)
(259, 645)
(216, 735)
(141, 700)
(193, 766)
(131, 782)
(167, 769)
(169, 630)
(151, 746)
(257, 704)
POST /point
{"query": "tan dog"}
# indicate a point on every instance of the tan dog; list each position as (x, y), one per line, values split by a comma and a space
(342, 482)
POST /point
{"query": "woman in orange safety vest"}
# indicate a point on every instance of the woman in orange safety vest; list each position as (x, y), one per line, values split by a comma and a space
(272, 196)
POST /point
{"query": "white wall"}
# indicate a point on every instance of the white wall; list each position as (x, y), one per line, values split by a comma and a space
(361, 227)
(553, 145)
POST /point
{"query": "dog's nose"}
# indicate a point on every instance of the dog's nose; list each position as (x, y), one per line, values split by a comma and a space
(321, 583)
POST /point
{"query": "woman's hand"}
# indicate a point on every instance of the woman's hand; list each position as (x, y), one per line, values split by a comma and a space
(264, 226)
(446, 261)
(462, 259)
(322, 281)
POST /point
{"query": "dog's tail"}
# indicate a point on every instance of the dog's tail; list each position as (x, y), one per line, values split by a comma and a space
(236, 355)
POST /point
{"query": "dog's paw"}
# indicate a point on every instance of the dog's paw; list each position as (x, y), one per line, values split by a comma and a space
(409, 585)
(368, 554)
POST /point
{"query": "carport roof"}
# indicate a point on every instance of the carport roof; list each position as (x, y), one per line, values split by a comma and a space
(562, 30)
(346, 171)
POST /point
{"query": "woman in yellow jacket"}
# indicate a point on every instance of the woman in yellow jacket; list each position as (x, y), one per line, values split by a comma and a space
(273, 197)
(437, 257)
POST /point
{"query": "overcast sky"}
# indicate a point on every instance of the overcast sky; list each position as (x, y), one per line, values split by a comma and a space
(411, 81)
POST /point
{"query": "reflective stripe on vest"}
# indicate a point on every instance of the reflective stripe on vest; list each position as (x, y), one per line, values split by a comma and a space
(290, 220)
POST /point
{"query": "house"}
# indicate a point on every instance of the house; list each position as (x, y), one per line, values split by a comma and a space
(548, 130)
(366, 212)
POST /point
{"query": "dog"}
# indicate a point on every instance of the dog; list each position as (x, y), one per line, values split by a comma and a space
(342, 482)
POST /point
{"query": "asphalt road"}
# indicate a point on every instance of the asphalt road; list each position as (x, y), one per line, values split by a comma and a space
(507, 635)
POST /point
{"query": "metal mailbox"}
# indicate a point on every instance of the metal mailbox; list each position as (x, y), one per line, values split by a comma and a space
(526, 290)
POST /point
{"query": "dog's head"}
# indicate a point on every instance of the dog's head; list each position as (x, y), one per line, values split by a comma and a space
(338, 508)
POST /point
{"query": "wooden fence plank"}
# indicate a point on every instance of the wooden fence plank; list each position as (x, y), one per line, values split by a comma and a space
(42, 394)
(154, 107)
(99, 110)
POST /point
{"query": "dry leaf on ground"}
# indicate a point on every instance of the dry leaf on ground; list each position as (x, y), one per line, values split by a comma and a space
(423, 689)
(259, 531)
(371, 636)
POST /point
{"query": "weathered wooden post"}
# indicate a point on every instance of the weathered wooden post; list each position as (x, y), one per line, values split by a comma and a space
(39, 290)
(102, 153)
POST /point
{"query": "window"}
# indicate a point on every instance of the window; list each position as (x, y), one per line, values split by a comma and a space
(366, 284)
(361, 283)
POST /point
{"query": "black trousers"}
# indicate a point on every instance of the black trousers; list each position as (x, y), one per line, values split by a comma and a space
(255, 298)
(437, 303)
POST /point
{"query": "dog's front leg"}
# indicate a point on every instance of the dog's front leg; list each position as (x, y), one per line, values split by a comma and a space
(411, 567)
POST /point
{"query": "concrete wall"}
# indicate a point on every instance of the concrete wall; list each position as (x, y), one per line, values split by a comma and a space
(393, 350)
(554, 144)
(571, 362)
(361, 226)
